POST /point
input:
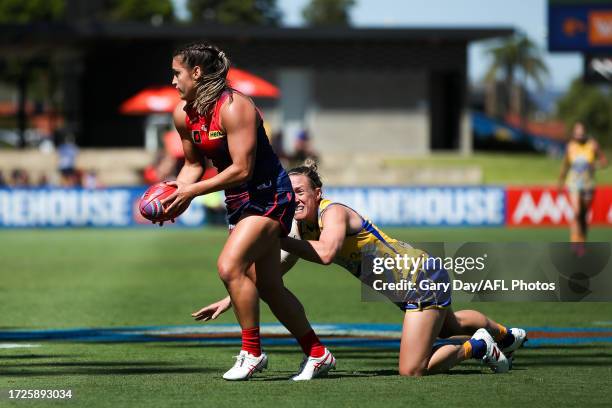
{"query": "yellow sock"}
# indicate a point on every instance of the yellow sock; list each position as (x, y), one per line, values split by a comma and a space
(502, 332)
(467, 350)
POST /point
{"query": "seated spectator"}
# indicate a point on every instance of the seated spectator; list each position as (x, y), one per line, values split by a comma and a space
(20, 178)
(89, 179)
(303, 148)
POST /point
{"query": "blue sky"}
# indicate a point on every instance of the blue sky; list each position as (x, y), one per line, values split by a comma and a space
(525, 15)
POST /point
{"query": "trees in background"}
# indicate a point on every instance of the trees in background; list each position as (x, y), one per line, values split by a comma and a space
(31, 11)
(590, 105)
(328, 12)
(515, 61)
(247, 12)
(155, 11)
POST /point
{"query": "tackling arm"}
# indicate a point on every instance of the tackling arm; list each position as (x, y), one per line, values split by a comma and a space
(330, 242)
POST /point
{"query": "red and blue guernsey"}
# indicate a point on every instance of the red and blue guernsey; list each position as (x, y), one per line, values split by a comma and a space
(268, 192)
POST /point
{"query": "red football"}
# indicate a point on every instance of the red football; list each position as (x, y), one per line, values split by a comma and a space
(150, 203)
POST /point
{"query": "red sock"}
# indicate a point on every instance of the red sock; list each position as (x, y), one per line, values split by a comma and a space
(311, 345)
(251, 342)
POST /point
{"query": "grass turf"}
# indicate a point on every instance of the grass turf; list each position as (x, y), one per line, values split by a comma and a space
(501, 168)
(104, 278)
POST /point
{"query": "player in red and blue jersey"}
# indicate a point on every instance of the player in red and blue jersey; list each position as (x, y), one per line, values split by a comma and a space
(218, 123)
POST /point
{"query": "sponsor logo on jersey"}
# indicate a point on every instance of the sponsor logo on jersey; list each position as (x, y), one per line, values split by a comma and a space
(215, 134)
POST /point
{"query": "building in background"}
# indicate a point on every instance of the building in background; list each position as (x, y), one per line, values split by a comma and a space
(387, 91)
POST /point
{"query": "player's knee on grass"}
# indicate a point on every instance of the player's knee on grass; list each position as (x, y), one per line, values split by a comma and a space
(413, 368)
(413, 371)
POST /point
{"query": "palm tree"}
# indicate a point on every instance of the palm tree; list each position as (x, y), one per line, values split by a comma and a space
(515, 60)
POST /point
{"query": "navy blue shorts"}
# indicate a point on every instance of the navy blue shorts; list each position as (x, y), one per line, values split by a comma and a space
(429, 299)
(273, 199)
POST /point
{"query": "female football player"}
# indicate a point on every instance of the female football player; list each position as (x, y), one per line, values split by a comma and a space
(334, 233)
(218, 123)
(578, 174)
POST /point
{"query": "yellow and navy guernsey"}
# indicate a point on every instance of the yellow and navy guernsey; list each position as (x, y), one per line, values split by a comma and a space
(359, 249)
(581, 156)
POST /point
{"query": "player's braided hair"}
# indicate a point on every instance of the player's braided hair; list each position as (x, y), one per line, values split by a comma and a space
(213, 82)
(309, 169)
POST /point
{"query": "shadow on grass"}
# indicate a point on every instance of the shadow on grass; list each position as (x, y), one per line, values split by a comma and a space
(337, 375)
(334, 375)
(53, 369)
(35, 356)
(198, 345)
(93, 364)
(463, 371)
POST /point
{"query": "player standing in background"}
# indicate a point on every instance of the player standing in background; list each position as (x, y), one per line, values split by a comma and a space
(578, 175)
(332, 232)
(218, 123)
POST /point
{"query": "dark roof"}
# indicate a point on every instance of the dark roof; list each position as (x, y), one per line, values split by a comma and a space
(12, 34)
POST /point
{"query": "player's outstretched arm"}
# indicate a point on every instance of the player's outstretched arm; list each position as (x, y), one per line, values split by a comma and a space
(212, 311)
(330, 242)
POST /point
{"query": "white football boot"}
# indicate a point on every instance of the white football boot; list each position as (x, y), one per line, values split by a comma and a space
(494, 358)
(313, 367)
(520, 337)
(246, 365)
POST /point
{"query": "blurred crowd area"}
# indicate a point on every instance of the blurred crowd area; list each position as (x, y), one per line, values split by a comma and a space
(170, 158)
(66, 174)
(369, 121)
(67, 171)
(21, 178)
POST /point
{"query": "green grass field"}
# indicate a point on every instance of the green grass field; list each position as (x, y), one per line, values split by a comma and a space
(110, 278)
(503, 168)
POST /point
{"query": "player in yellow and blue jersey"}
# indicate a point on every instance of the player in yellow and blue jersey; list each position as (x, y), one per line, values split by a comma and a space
(578, 174)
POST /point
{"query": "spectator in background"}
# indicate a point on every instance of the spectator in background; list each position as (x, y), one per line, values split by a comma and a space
(303, 148)
(67, 154)
(89, 179)
(276, 141)
(20, 178)
(2, 180)
(43, 181)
